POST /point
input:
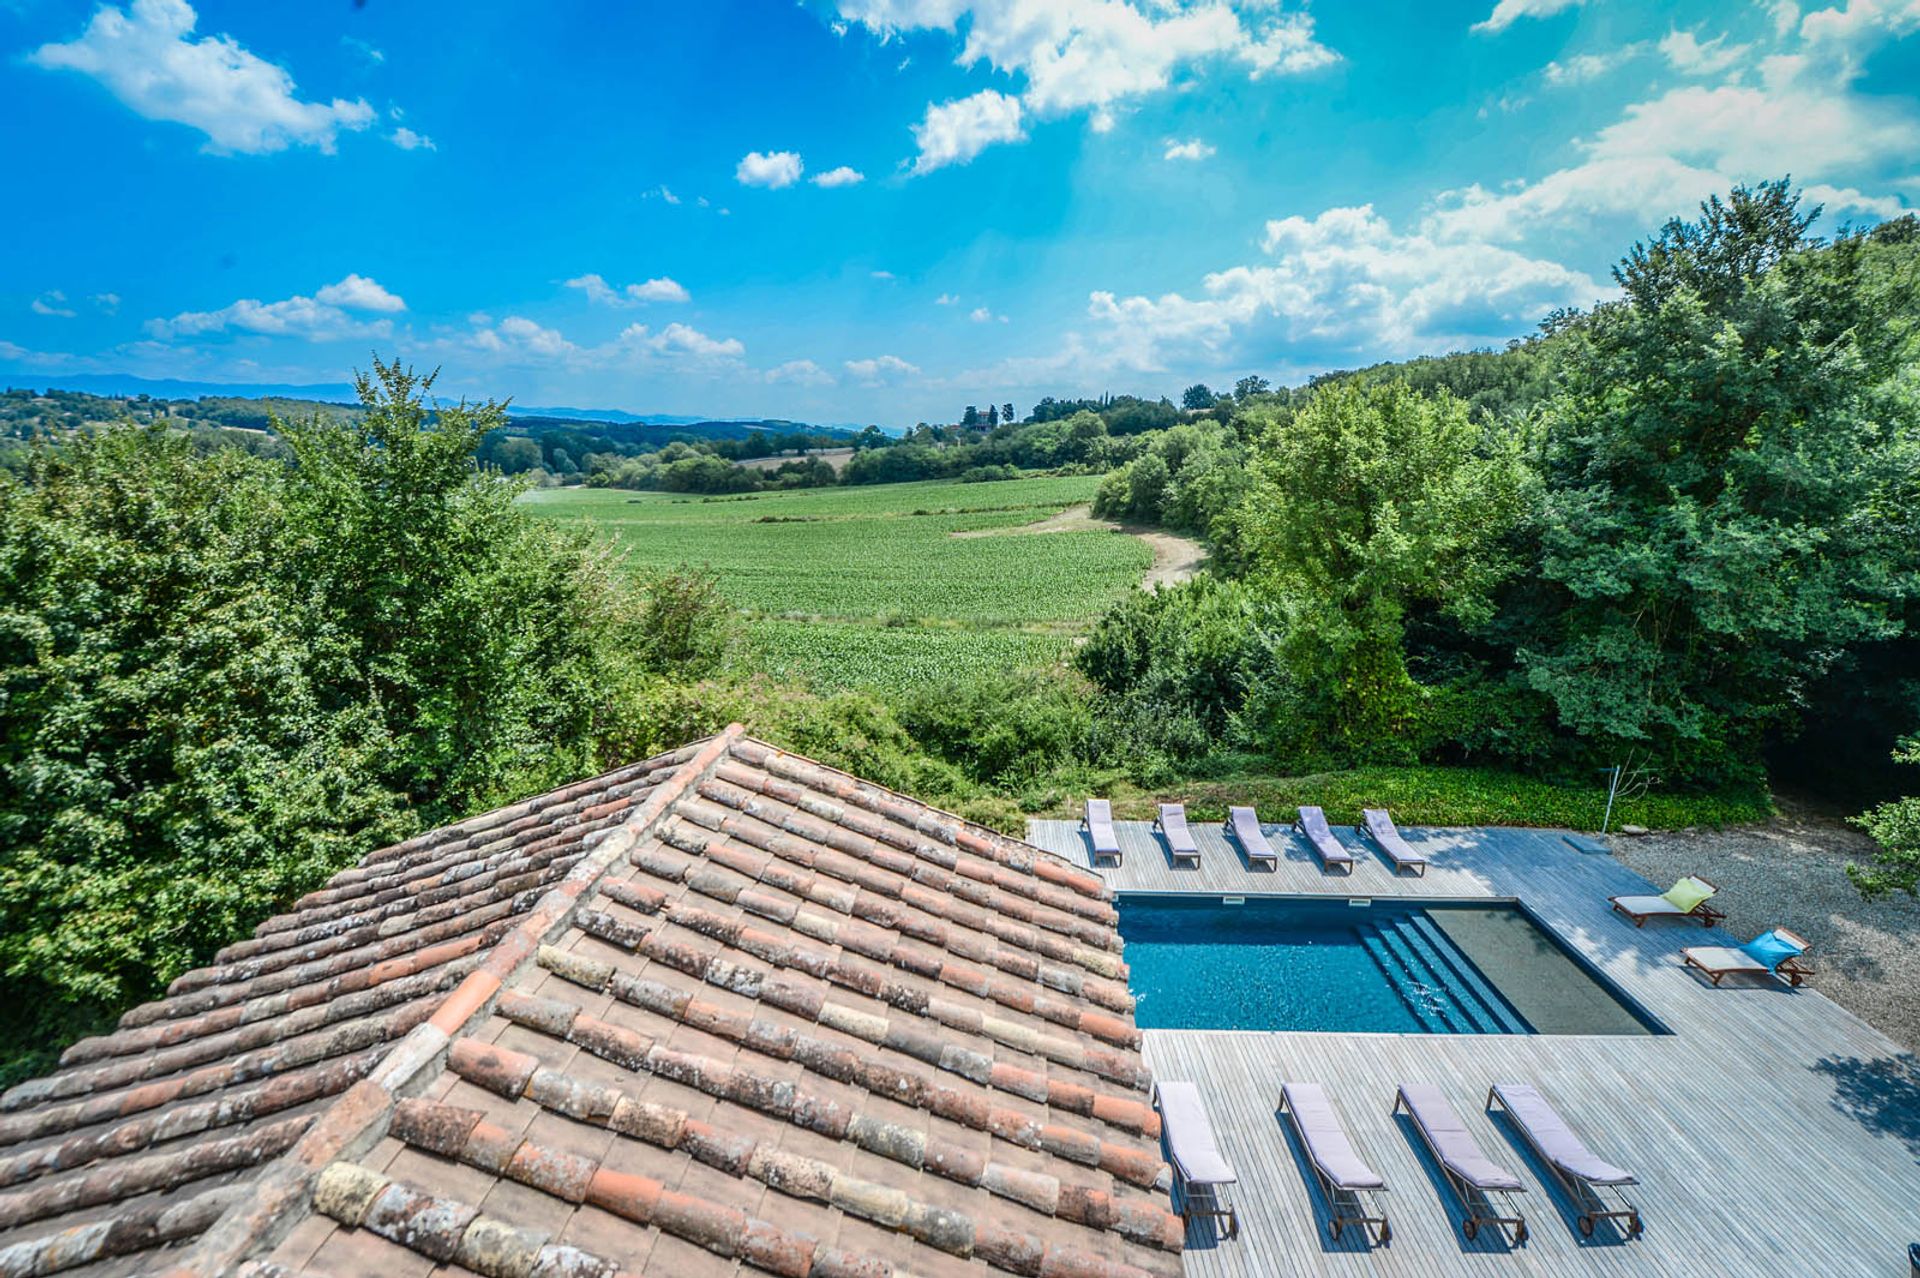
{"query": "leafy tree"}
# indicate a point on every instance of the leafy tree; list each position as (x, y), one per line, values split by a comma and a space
(1368, 502)
(1895, 827)
(1724, 467)
(1248, 387)
(1197, 396)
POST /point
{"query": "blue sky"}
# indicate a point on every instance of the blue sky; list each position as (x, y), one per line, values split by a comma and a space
(882, 210)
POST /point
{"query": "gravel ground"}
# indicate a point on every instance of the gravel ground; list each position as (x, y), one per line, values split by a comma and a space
(1791, 872)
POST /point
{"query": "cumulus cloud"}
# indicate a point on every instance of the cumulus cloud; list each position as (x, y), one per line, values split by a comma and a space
(148, 57)
(1508, 12)
(1690, 55)
(1582, 68)
(323, 317)
(985, 315)
(358, 293)
(842, 176)
(1095, 55)
(771, 169)
(887, 276)
(947, 299)
(1191, 149)
(601, 293)
(52, 303)
(1343, 281)
(681, 339)
(407, 140)
(107, 302)
(954, 132)
(518, 338)
(881, 369)
(799, 372)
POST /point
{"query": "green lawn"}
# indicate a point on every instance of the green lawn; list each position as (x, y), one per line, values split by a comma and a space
(903, 600)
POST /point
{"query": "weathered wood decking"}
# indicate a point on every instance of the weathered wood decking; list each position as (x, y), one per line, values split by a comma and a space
(1773, 1132)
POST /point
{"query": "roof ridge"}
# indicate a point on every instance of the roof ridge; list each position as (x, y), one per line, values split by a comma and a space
(359, 1116)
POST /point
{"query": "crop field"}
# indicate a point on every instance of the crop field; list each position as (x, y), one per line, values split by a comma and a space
(869, 586)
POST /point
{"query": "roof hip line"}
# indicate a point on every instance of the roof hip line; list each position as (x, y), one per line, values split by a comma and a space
(354, 1122)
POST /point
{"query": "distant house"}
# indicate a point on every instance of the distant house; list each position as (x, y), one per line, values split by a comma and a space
(725, 1007)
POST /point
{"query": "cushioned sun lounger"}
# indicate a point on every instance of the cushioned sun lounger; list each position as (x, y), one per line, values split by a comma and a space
(1686, 899)
(1379, 827)
(1245, 824)
(1777, 953)
(1098, 823)
(1346, 1180)
(1197, 1161)
(1172, 822)
(1594, 1185)
(1312, 824)
(1482, 1185)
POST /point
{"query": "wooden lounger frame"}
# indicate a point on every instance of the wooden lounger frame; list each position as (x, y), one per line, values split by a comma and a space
(1211, 1204)
(1708, 916)
(1793, 970)
(1484, 1206)
(1344, 1206)
(1594, 1203)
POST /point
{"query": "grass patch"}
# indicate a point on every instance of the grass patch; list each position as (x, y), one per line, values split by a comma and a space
(1427, 796)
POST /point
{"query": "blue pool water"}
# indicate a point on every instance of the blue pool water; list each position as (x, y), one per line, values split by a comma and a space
(1387, 967)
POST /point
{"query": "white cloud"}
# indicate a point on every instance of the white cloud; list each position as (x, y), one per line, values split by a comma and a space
(666, 195)
(800, 372)
(680, 339)
(601, 293)
(53, 303)
(1343, 281)
(320, 318)
(954, 132)
(518, 338)
(985, 315)
(1095, 55)
(407, 140)
(358, 293)
(1507, 12)
(148, 57)
(771, 169)
(1191, 149)
(107, 302)
(1690, 55)
(1583, 68)
(1860, 22)
(881, 275)
(881, 368)
(1838, 199)
(1664, 155)
(842, 176)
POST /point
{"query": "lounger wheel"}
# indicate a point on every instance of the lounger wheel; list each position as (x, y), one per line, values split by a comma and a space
(1586, 1226)
(1520, 1234)
(1633, 1225)
(1469, 1228)
(1233, 1224)
(1333, 1228)
(1386, 1233)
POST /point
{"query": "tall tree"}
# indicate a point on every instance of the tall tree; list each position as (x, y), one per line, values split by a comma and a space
(1724, 466)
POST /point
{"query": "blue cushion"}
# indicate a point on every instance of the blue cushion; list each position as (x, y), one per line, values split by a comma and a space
(1771, 949)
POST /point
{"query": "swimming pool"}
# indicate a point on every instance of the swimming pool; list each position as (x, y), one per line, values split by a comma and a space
(1352, 964)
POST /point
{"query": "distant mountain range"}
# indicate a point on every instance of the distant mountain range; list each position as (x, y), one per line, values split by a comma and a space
(342, 392)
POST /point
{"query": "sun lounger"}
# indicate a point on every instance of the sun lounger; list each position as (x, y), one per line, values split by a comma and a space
(1245, 824)
(1098, 823)
(1592, 1183)
(1777, 953)
(1379, 827)
(1346, 1180)
(1172, 822)
(1197, 1161)
(1312, 824)
(1482, 1185)
(1686, 899)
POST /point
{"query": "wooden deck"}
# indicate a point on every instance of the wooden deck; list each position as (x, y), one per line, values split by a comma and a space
(1773, 1132)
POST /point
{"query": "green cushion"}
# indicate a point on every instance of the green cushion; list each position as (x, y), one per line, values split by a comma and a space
(1686, 894)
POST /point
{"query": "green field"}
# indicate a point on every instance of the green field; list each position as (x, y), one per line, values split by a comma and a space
(869, 586)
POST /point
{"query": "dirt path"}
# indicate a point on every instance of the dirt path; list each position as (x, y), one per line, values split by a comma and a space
(1175, 558)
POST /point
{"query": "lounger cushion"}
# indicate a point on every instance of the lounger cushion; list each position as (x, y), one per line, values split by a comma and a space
(1380, 825)
(1253, 840)
(1724, 958)
(1555, 1140)
(1452, 1143)
(1770, 950)
(1314, 822)
(1190, 1136)
(1325, 1138)
(1686, 895)
(1647, 905)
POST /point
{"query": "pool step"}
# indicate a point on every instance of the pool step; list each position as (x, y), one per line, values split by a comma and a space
(1490, 1001)
(1442, 988)
(1417, 987)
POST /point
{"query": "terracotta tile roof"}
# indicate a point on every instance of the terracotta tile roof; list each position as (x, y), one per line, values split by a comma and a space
(727, 1011)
